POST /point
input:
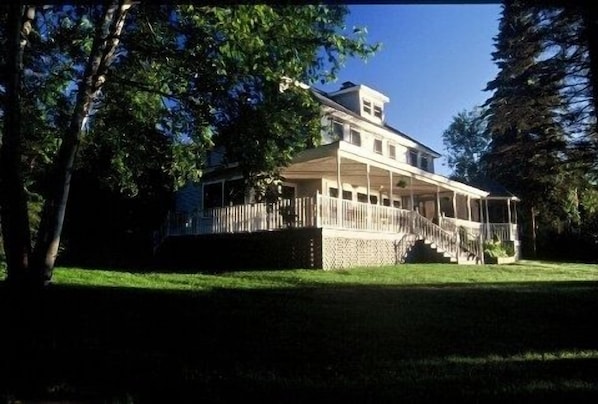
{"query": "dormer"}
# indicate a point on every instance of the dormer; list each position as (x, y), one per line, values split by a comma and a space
(362, 100)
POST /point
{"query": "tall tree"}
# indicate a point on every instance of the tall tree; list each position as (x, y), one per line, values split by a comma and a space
(13, 206)
(466, 140)
(527, 142)
(176, 71)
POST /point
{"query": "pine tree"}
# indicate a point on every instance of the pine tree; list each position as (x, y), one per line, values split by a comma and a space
(528, 145)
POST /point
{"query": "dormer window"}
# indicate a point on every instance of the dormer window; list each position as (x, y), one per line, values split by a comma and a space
(424, 163)
(378, 111)
(367, 107)
(355, 137)
(378, 146)
(413, 158)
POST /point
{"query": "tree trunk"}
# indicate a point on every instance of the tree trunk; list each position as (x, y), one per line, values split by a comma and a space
(14, 214)
(106, 40)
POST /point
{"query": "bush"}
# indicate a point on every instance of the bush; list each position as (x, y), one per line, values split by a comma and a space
(495, 248)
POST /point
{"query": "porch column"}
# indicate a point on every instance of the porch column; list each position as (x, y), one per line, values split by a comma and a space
(411, 193)
(438, 215)
(468, 208)
(367, 171)
(412, 207)
(482, 221)
(487, 222)
(509, 218)
(368, 207)
(390, 198)
(455, 205)
(339, 194)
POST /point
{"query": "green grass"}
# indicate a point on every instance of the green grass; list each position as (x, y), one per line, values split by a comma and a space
(410, 333)
(408, 274)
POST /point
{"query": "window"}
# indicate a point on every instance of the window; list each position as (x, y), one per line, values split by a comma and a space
(337, 130)
(413, 158)
(424, 163)
(373, 199)
(355, 137)
(378, 111)
(362, 197)
(287, 192)
(348, 195)
(378, 146)
(212, 195)
(392, 151)
(333, 192)
(367, 107)
(395, 203)
(234, 192)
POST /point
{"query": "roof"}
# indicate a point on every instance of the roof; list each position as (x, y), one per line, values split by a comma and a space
(324, 98)
(495, 189)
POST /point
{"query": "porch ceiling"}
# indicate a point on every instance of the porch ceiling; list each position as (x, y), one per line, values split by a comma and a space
(355, 173)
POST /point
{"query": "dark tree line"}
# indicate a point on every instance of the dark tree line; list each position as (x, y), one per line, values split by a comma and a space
(536, 133)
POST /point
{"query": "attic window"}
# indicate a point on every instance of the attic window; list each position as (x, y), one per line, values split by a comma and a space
(413, 158)
(424, 163)
(378, 111)
(367, 107)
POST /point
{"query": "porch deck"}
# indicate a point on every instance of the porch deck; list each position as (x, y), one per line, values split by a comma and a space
(321, 212)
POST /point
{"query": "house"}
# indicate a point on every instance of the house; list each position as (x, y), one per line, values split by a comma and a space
(367, 196)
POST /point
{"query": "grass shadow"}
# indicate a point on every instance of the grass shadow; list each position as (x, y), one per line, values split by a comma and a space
(426, 343)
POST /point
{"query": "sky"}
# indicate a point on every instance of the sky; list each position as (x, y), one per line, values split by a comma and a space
(435, 62)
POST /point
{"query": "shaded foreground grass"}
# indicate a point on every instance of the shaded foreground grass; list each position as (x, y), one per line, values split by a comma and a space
(423, 333)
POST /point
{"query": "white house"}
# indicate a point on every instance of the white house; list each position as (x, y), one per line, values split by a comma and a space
(368, 195)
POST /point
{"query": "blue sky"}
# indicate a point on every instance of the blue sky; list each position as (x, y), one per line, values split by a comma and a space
(435, 61)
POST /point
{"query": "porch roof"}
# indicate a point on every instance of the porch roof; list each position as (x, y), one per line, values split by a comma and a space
(495, 189)
(321, 162)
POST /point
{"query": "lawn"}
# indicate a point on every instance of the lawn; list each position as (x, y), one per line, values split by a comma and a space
(416, 333)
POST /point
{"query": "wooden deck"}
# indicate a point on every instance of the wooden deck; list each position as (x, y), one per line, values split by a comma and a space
(453, 237)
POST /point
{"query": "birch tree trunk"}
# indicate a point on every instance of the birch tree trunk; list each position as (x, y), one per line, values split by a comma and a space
(105, 43)
(13, 213)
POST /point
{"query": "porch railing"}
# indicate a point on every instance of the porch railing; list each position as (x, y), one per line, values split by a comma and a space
(504, 231)
(325, 211)
(287, 213)
(333, 212)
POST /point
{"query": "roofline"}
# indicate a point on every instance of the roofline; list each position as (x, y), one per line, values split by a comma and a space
(346, 110)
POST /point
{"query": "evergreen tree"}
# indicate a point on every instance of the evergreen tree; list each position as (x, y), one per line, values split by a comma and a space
(528, 145)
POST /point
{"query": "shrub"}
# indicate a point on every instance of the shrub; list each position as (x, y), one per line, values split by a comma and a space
(495, 248)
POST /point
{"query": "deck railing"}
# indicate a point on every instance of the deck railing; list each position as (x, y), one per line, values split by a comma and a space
(361, 216)
(325, 211)
(287, 213)
(504, 231)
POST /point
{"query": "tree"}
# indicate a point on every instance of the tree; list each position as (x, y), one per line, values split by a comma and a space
(526, 151)
(466, 140)
(176, 71)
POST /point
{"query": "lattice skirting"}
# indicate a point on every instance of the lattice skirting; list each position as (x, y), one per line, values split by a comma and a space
(346, 250)
(291, 248)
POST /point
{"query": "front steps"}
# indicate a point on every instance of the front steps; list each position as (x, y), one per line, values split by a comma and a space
(426, 251)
